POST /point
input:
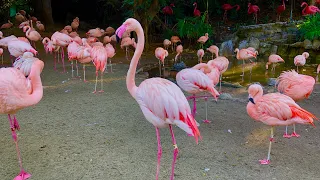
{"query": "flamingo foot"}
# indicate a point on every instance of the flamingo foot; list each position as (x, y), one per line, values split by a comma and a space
(206, 121)
(294, 134)
(264, 161)
(22, 176)
(17, 126)
(101, 91)
(285, 135)
(85, 81)
(190, 134)
(94, 92)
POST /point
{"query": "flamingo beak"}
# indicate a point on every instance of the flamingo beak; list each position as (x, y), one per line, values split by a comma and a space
(251, 100)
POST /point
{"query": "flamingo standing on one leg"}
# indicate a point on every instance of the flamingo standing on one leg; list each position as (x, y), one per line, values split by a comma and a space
(99, 58)
(161, 101)
(309, 10)
(275, 109)
(274, 59)
(161, 54)
(174, 41)
(300, 60)
(228, 7)
(200, 54)
(298, 87)
(253, 9)
(29, 91)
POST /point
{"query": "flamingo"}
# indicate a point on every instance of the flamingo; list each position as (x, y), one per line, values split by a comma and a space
(298, 87)
(203, 39)
(14, 85)
(109, 31)
(253, 9)
(166, 44)
(244, 54)
(273, 59)
(179, 51)
(75, 24)
(228, 7)
(161, 54)
(32, 34)
(300, 60)
(20, 18)
(73, 34)
(281, 9)
(200, 54)
(72, 53)
(23, 12)
(99, 58)
(61, 40)
(25, 23)
(174, 41)
(275, 109)
(1, 54)
(220, 62)
(318, 70)
(106, 39)
(111, 52)
(68, 28)
(50, 47)
(167, 11)
(97, 32)
(17, 47)
(40, 26)
(127, 42)
(7, 25)
(309, 10)
(161, 101)
(194, 81)
(25, 62)
(196, 11)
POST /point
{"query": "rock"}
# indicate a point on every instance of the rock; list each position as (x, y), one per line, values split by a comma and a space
(272, 81)
(273, 49)
(297, 44)
(235, 85)
(254, 42)
(307, 44)
(315, 44)
(225, 96)
(226, 48)
(264, 48)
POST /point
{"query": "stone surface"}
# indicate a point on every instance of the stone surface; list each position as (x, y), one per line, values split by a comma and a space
(272, 81)
(315, 44)
(307, 44)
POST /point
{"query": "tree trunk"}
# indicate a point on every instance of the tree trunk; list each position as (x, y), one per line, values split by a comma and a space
(43, 10)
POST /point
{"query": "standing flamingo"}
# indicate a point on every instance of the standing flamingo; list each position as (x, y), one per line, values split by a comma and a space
(300, 60)
(161, 54)
(273, 59)
(309, 10)
(49, 48)
(127, 42)
(84, 57)
(111, 52)
(14, 85)
(200, 54)
(99, 58)
(203, 39)
(228, 7)
(72, 53)
(244, 54)
(275, 109)
(253, 9)
(179, 51)
(174, 41)
(61, 40)
(75, 24)
(32, 35)
(167, 11)
(281, 9)
(196, 12)
(298, 87)
(161, 101)
(166, 44)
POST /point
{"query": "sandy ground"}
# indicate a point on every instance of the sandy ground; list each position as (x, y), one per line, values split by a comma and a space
(74, 134)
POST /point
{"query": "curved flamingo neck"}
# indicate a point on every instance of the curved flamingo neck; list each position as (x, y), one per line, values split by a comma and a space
(283, 4)
(195, 7)
(28, 30)
(37, 89)
(238, 54)
(130, 80)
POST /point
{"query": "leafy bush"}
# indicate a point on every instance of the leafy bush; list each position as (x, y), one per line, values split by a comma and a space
(310, 28)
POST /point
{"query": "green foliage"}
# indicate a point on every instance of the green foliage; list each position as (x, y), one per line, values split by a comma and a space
(310, 28)
(193, 27)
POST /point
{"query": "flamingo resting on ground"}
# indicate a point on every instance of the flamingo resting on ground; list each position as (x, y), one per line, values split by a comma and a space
(309, 10)
(228, 7)
(300, 60)
(161, 54)
(7, 25)
(253, 9)
(298, 87)
(274, 59)
(161, 101)
(14, 85)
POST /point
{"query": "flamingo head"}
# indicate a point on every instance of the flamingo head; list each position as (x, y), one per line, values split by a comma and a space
(172, 5)
(195, 3)
(249, 4)
(253, 90)
(236, 50)
(238, 7)
(128, 26)
(304, 4)
(305, 54)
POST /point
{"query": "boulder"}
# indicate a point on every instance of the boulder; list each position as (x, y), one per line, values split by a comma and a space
(254, 42)
(315, 44)
(307, 44)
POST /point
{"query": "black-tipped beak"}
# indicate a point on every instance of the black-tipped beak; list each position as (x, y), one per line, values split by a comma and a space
(118, 38)
(251, 100)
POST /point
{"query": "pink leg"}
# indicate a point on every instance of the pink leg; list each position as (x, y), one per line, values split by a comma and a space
(175, 152)
(286, 135)
(84, 73)
(159, 153)
(267, 161)
(294, 134)
(206, 120)
(62, 59)
(22, 175)
(16, 123)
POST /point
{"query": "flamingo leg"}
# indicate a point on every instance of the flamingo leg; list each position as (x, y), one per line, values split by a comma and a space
(220, 83)
(54, 61)
(72, 69)
(163, 68)
(160, 68)
(294, 134)
(267, 161)
(95, 86)
(77, 69)
(111, 65)
(2, 59)
(58, 55)
(101, 91)
(194, 110)
(22, 175)
(127, 53)
(62, 59)
(206, 102)
(286, 135)
(297, 69)
(84, 73)
(159, 153)
(175, 152)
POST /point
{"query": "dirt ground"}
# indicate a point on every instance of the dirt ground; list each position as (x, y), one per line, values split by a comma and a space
(77, 135)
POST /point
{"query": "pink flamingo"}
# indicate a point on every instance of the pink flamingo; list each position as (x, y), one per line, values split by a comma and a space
(99, 58)
(253, 9)
(23, 24)
(14, 85)
(75, 24)
(220, 62)
(161, 54)
(300, 60)
(62, 40)
(106, 39)
(309, 10)
(40, 26)
(275, 109)
(174, 41)
(17, 47)
(1, 54)
(95, 32)
(110, 31)
(127, 42)
(167, 11)
(244, 54)
(73, 34)
(49, 48)
(156, 110)
(212, 50)
(111, 52)
(83, 55)
(68, 28)
(194, 82)
(203, 39)
(20, 18)
(166, 44)
(7, 25)
(72, 53)
(298, 87)
(32, 34)
(274, 59)
(179, 51)
(281, 9)
(228, 7)
(24, 63)
(196, 12)
(200, 54)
